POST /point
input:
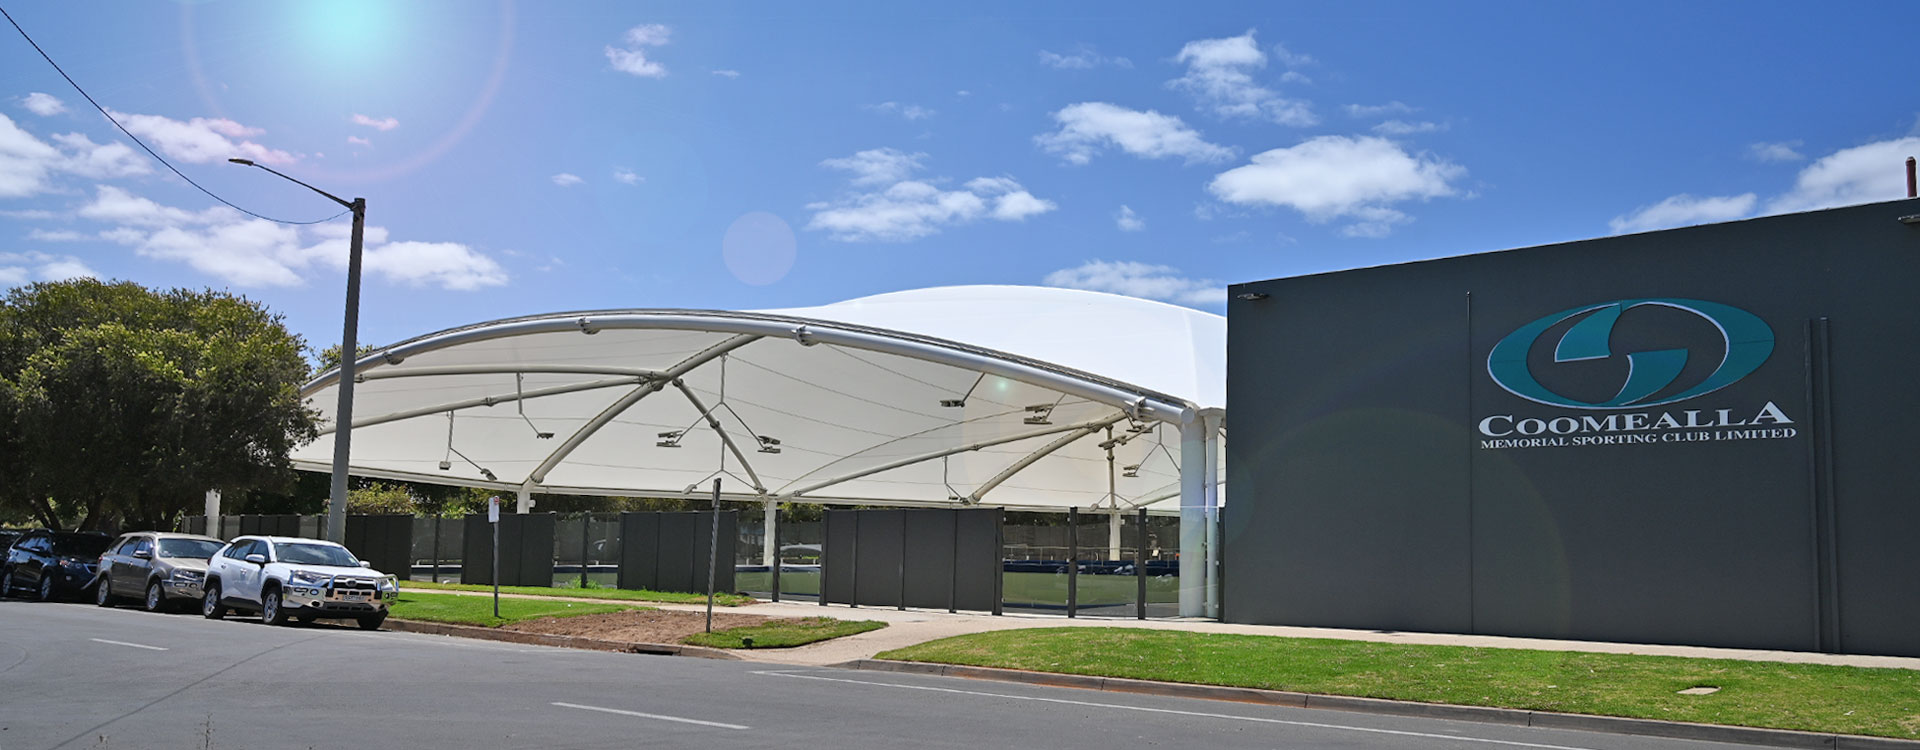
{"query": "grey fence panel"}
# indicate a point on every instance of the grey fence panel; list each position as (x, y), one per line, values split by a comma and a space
(674, 552)
(279, 525)
(944, 557)
(639, 550)
(386, 542)
(838, 529)
(668, 551)
(526, 550)
(928, 559)
(978, 558)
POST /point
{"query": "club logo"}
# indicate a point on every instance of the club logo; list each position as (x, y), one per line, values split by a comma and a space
(1747, 344)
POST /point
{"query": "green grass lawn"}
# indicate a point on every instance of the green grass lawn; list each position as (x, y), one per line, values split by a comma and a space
(626, 595)
(477, 610)
(1818, 698)
(783, 634)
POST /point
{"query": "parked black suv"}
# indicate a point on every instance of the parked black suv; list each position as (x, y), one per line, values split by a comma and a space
(53, 564)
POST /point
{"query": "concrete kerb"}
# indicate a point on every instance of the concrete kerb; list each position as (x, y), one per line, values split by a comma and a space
(562, 641)
(1507, 716)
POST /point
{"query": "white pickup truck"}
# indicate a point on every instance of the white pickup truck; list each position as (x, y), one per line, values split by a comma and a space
(286, 578)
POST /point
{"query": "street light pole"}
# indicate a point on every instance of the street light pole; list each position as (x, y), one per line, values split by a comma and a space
(349, 354)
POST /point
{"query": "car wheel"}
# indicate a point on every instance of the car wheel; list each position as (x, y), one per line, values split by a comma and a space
(271, 611)
(103, 594)
(156, 600)
(6, 584)
(210, 607)
(47, 588)
(372, 622)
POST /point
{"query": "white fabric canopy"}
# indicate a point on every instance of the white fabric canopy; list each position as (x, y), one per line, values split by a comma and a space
(992, 395)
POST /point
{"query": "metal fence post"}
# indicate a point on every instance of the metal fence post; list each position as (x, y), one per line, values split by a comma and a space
(1073, 561)
(953, 579)
(436, 549)
(774, 564)
(1140, 565)
(824, 526)
(853, 568)
(999, 562)
(586, 534)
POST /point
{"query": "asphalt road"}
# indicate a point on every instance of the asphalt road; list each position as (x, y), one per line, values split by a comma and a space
(75, 676)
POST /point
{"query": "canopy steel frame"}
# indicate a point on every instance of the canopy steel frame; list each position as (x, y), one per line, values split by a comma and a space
(788, 495)
(607, 415)
(1139, 403)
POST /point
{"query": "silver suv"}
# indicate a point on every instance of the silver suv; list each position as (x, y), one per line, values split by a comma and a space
(285, 578)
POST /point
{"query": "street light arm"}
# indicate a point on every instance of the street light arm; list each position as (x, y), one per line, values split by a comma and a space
(330, 196)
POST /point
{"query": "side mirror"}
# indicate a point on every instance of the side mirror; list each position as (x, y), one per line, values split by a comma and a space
(257, 559)
(143, 555)
(365, 564)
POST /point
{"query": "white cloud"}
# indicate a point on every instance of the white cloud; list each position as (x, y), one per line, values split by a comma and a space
(1862, 174)
(910, 209)
(1088, 127)
(245, 251)
(1010, 201)
(116, 206)
(1128, 221)
(1379, 110)
(632, 58)
(1783, 151)
(1684, 210)
(95, 161)
(1220, 76)
(877, 166)
(20, 268)
(25, 161)
(566, 179)
(627, 177)
(1332, 177)
(906, 111)
(383, 124)
(1136, 279)
(358, 141)
(202, 140)
(726, 73)
(44, 105)
(56, 235)
(1083, 58)
(1402, 127)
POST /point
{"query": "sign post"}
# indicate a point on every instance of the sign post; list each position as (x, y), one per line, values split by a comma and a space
(713, 551)
(493, 517)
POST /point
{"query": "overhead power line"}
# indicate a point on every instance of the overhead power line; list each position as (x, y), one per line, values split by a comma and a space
(143, 145)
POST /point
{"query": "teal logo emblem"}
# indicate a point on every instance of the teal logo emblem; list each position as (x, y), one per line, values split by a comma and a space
(1748, 342)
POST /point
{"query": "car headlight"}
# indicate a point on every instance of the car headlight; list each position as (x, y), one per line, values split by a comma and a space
(389, 584)
(183, 575)
(309, 578)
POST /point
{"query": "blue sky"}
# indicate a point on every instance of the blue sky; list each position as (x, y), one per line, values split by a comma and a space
(531, 157)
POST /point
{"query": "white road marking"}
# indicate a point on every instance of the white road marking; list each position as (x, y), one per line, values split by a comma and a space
(1202, 714)
(650, 716)
(124, 643)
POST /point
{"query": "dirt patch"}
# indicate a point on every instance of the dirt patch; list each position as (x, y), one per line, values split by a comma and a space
(637, 626)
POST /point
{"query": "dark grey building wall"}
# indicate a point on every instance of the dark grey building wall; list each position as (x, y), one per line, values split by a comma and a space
(1364, 497)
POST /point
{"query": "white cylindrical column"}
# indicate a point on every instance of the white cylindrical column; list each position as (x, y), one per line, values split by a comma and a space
(769, 555)
(1213, 515)
(213, 509)
(1193, 518)
(1113, 535)
(524, 499)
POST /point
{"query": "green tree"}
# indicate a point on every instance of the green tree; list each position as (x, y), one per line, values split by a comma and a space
(122, 404)
(329, 357)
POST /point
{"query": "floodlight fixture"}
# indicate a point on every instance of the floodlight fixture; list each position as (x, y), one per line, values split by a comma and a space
(768, 444)
(1131, 470)
(520, 405)
(1038, 414)
(956, 403)
(446, 465)
(670, 439)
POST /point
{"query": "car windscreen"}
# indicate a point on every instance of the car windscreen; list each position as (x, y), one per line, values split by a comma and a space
(314, 554)
(195, 549)
(80, 545)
